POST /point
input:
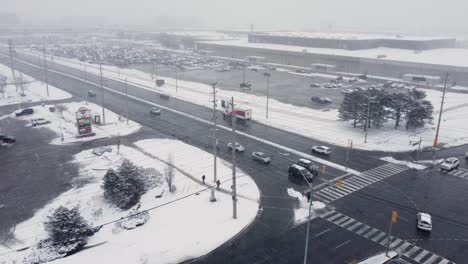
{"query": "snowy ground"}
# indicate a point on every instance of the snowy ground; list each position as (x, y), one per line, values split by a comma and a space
(34, 91)
(115, 124)
(318, 124)
(302, 212)
(410, 165)
(183, 225)
(380, 258)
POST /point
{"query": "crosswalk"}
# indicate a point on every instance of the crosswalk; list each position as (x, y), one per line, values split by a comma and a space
(460, 173)
(404, 248)
(356, 182)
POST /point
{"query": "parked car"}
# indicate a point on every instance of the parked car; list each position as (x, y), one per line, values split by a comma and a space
(347, 91)
(339, 78)
(450, 164)
(260, 156)
(315, 85)
(155, 111)
(320, 100)
(424, 221)
(26, 111)
(39, 121)
(321, 150)
(309, 165)
(300, 173)
(236, 146)
(7, 139)
(354, 79)
(91, 93)
(245, 85)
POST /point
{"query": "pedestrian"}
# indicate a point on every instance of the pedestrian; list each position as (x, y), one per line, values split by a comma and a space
(218, 183)
(203, 178)
(308, 196)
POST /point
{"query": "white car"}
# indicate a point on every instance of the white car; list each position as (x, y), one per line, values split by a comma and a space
(450, 164)
(39, 121)
(155, 111)
(321, 150)
(424, 221)
(260, 156)
(236, 146)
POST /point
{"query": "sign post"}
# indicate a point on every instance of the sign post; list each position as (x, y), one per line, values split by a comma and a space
(83, 121)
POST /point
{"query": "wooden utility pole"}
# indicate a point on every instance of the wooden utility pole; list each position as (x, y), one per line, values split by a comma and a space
(46, 76)
(102, 96)
(436, 139)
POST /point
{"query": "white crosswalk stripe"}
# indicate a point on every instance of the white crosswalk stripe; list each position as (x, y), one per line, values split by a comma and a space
(355, 183)
(460, 173)
(410, 251)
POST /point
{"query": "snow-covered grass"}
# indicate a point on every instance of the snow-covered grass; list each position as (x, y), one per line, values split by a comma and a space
(115, 124)
(183, 224)
(34, 91)
(301, 213)
(405, 163)
(317, 124)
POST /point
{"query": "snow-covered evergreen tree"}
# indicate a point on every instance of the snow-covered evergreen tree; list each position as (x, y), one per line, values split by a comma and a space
(68, 231)
(123, 187)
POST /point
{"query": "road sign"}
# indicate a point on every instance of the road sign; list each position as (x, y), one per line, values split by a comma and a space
(436, 142)
(340, 183)
(394, 216)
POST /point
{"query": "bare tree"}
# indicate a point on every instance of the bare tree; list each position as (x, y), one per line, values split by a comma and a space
(169, 172)
(22, 83)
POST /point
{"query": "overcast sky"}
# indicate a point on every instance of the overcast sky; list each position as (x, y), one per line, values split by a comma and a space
(392, 15)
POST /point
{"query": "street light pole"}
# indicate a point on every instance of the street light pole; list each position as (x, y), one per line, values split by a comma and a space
(45, 72)
(102, 96)
(234, 194)
(177, 76)
(126, 99)
(267, 75)
(306, 249)
(215, 143)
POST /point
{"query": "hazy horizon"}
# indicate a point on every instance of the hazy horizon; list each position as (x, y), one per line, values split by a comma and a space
(417, 16)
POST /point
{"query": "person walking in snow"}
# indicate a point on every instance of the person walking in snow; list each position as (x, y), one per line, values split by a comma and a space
(218, 183)
(203, 178)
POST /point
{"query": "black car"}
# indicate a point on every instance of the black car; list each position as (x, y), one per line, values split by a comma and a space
(26, 111)
(7, 139)
(299, 173)
(245, 85)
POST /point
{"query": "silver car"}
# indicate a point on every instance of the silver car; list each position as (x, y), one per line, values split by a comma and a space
(260, 156)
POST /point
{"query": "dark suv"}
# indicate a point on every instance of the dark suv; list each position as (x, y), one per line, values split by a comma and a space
(26, 111)
(299, 173)
(7, 139)
(308, 165)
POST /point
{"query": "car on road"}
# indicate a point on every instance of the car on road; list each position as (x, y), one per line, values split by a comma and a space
(347, 91)
(450, 164)
(7, 139)
(236, 147)
(26, 111)
(354, 79)
(315, 85)
(245, 85)
(91, 93)
(39, 121)
(299, 173)
(320, 100)
(424, 221)
(261, 157)
(155, 111)
(321, 150)
(466, 156)
(309, 165)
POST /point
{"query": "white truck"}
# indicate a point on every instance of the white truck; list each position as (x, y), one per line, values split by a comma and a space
(239, 113)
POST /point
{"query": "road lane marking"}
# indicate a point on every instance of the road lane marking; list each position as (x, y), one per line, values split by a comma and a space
(342, 244)
(323, 232)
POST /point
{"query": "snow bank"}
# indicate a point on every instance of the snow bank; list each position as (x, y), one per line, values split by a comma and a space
(380, 259)
(115, 124)
(302, 212)
(34, 91)
(409, 164)
(321, 125)
(184, 225)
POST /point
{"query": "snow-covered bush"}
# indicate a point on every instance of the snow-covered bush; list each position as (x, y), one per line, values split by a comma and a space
(135, 218)
(123, 187)
(68, 231)
(151, 177)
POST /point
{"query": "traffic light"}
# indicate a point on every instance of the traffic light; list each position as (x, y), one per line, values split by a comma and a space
(323, 169)
(394, 216)
(340, 183)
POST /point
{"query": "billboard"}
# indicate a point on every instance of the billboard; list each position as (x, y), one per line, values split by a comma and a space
(83, 121)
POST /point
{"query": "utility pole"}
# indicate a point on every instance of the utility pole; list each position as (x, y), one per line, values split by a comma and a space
(389, 237)
(126, 99)
(152, 71)
(234, 194)
(215, 143)
(306, 249)
(12, 62)
(436, 139)
(347, 152)
(176, 77)
(367, 119)
(419, 149)
(102, 96)
(267, 75)
(45, 72)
